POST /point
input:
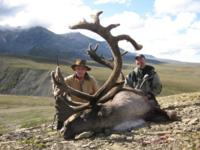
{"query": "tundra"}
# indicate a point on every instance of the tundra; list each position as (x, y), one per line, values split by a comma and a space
(113, 106)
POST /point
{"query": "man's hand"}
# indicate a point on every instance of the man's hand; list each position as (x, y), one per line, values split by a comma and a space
(146, 76)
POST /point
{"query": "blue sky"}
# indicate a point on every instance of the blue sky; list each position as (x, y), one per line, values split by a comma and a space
(138, 6)
(166, 28)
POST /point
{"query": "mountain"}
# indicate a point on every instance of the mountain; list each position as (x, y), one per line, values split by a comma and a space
(40, 42)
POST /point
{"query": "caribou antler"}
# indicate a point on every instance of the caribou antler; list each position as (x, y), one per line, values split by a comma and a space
(92, 53)
(58, 80)
(60, 88)
(113, 43)
(100, 59)
(115, 64)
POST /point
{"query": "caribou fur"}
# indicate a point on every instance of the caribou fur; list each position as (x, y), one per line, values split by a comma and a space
(113, 106)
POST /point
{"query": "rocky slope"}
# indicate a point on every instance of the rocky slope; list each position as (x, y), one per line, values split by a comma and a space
(178, 135)
(24, 81)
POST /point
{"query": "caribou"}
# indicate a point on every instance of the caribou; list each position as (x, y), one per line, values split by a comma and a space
(113, 106)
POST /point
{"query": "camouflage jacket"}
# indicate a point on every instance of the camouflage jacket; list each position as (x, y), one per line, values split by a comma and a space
(145, 79)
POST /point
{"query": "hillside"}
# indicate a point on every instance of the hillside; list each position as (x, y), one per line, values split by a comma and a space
(179, 135)
(24, 81)
(22, 76)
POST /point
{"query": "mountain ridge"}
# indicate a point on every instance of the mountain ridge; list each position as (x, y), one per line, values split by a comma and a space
(40, 42)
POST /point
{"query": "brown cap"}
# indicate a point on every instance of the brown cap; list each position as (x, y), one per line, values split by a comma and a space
(139, 56)
(80, 62)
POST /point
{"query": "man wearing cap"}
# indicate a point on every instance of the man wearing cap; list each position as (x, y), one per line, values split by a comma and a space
(144, 78)
(81, 80)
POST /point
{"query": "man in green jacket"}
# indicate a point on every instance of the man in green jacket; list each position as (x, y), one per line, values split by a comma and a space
(144, 78)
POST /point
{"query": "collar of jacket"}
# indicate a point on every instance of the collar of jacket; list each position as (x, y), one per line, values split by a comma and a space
(86, 77)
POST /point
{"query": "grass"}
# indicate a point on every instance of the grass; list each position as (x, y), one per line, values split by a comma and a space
(13, 101)
(25, 63)
(27, 111)
(175, 78)
(24, 111)
(179, 79)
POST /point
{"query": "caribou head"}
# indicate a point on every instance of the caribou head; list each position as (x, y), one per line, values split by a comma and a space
(113, 106)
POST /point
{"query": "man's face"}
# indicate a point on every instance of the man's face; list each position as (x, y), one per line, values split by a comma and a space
(80, 71)
(140, 62)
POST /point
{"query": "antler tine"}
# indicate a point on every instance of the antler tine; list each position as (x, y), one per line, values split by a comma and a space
(78, 93)
(92, 49)
(92, 53)
(96, 18)
(111, 93)
(132, 41)
(56, 91)
(96, 47)
(124, 53)
(86, 25)
(112, 26)
(89, 47)
(54, 80)
(113, 43)
(59, 82)
(81, 107)
(101, 60)
(73, 103)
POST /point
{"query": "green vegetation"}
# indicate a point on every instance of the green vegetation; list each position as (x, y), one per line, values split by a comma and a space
(12, 79)
(24, 111)
(16, 62)
(27, 111)
(175, 78)
(179, 79)
(13, 101)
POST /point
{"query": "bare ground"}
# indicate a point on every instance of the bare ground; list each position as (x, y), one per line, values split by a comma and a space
(178, 135)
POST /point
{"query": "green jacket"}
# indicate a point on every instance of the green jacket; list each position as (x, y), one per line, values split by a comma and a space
(145, 79)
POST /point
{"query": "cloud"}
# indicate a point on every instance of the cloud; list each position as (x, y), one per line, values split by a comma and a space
(182, 37)
(176, 6)
(166, 36)
(7, 10)
(190, 54)
(54, 15)
(113, 1)
(171, 30)
(124, 19)
(169, 37)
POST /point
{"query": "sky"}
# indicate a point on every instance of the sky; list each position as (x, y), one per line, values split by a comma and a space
(166, 28)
